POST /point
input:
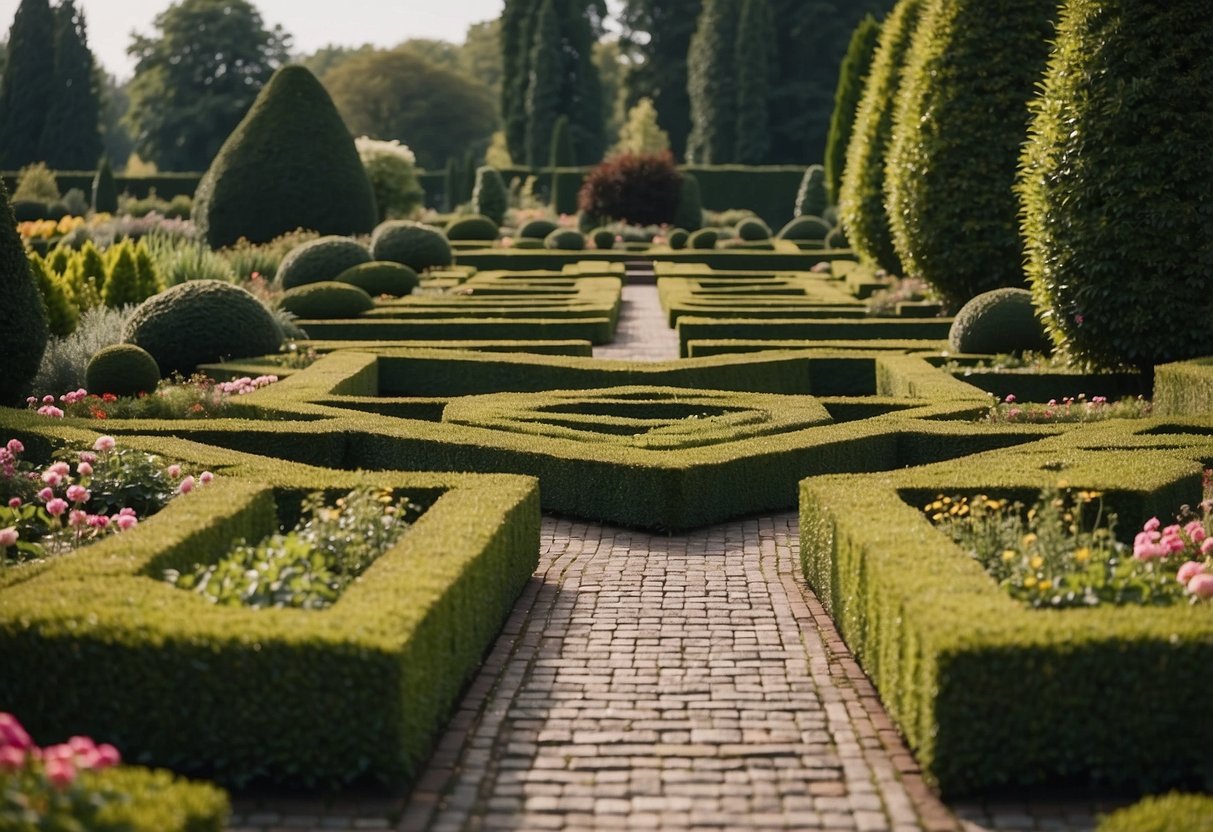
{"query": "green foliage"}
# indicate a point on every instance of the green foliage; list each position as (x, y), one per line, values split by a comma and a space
(149, 276)
(393, 177)
(604, 239)
(475, 227)
(960, 122)
(712, 83)
(565, 239)
(36, 183)
(704, 238)
(489, 196)
(678, 239)
(413, 244)
(642, 190)
(1112, 180)
(122, 369)
(812, 199)
(329, 299)
(806, 228)
(852, 76)
(27, 85)
(199, 322)
(62, 316)
(861, 198)
(319, 260)
(1165, 813)
(544, 85)
(755, 62)
(289, 164)
(71, 135)
(123, 284)
(537, 229)
(63, 363)
(752, 229)
(641, 132)
(23, 327)
(105, 192)
(837, 238)
(381, 278)
(564, 184)
(660, 32)
(452, 190)
(517, 41)
(998, 321)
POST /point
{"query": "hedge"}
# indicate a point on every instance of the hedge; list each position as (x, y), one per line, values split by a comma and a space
(739, 296)
(785, 256)
(692, 328)
(166, 185)
(594, 330)
(725, 346)
(156, 801)
(1184, 388)
(1167, 813)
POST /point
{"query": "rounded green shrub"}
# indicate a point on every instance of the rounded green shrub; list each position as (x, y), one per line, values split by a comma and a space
(1116, 215)
(476, 227)
(565, 239)
(812, 199)
(489, 196)
(412, 244)
(704, 238)
(861, 197)
(678, 238)
(28, 210)
(201, 321)
(537, 229)
(122, 369)
(1166, 813)
(318, 260)
(381, 278)
(837, 238)
(808, 229)
(604, 238)
(289, 164)
(753, 230)
(23, 329)
(998, 321)
(961, 119)
(330, 299)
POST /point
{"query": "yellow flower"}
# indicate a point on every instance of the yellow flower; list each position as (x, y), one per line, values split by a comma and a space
(1009, 555)
(1082, 555)
(1045, 586)
(1029, 539)
(1036, 562)
(1029, 581)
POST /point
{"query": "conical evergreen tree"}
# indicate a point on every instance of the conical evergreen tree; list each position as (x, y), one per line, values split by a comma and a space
(452, 184)
(62, 316)
(28, 84)
(71, 136)
(122, 287)
(516, 44)
(105, 191)
(468, 180)
(852, 76)
(712, 85)
(543, 93)
(23, 332)
(149, 278)
(560, 155)
(755, 40)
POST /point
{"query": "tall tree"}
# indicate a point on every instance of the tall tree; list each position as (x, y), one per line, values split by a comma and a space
(657, 36)
(516, 45)
(544, 89)
(71, 136)
(196, 78)
(755, 41)
(28, 83)
(852, 76)
(711, 83)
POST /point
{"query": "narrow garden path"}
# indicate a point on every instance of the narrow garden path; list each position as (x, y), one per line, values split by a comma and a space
(666, 682)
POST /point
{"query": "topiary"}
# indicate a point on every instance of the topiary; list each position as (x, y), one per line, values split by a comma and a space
(678, 238)
(837, 238)
(1114, 184)
(201, 321)
(321, 259)
(537, 229)
(23, 330)
(690, 205)
(122, 369)
(806, 228)
(28, 210)
(62, 316)
(477, 227)
(565, 239)
(852, 74)
(123, 285)
(998, 321)
(861, 199)
(528, 243)
(289, 164)
(489, 196)
(413, 244)
(105, 192)
(381, 278)
(642, 189)
(960, 122)
(752, 229)
(703, 238)
(329, 299)
(604, 238)
(811, 198)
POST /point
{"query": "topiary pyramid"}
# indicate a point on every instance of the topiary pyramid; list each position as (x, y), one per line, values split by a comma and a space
(289, 164)
(23, 332)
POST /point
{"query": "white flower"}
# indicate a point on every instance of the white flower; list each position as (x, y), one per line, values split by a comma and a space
(368, 148)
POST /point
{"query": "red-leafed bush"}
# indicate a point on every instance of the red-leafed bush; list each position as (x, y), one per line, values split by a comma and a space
(641, 189)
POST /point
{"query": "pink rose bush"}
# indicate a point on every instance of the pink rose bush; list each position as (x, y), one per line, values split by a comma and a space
(193, 398)
(1184, 548)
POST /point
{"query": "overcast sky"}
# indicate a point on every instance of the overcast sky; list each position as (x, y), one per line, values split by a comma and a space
(313, 23)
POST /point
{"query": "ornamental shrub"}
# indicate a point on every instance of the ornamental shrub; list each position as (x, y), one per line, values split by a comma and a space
(477, 227)
(489, 196)
(998, 321)
(392, 170)
(604, 238)
(381, 278)
(23, 330)
(961, 119)
(122, 369)
(1114, 187)
(105, 192)
(321, 259)
(62, 316)
(565, 239)
(537, 229)
(678, 239)
(289, 164)
(837, 238)
(328, 299)
(1166, 813)
(123, 285)
(806, 228)
(851, 77)
(413, 244)
(704, 238)
(812, 199)
(36, 183)
(690, 204)
(635, 188)
(753, 229)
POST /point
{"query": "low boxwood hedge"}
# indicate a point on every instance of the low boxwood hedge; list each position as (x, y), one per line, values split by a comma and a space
(1184, 388)
(692, 328)
(1166, 813)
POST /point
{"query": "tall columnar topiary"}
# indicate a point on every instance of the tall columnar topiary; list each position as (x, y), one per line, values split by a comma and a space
(468, 180)
(291, 163)
(23, 332)
(560, 155)
(105, 191)
(712, 84)
(811, 197)
(852, 76)
(452, 183)
(516, 44)
(961, 119)
(28, 84)
(1116, 214)
(861, 198)
(489, 197)
(71, 135)
(62, 316)
(755, 61)
(689, 215)
(543, 90)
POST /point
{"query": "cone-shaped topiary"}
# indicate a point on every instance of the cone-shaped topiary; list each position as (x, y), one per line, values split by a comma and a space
(62, 316)
(809, 229)
(678, 238)
(998, 321)
(753, 229)
(149, 278)
(961, 119)
(105, 192)
(330, 299)
(475, 227)
(414, 244)
(321, 259)
(123, 285)
(489, 196)
(380, 277)
(851, 77)
(812, 199)
(1117, 220)
(565, 239)
(690, 205)
(704, 238)
(23, 332)
(289, 164)
(122, 369)
(537, 229)
(202, 321)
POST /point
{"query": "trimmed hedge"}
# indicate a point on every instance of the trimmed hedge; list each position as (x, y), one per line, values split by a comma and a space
(165, 185)
(156, 801)
(1168, 813)
(1184, 388)
(695, 328)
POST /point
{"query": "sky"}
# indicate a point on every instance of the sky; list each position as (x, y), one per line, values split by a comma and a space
(313, 23)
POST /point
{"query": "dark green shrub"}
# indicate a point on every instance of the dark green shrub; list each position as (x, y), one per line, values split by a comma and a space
(413, 244)
(678, 238)
(812, 229)
(837, 238)
(478, 227)
(537, 229)
(1167, 813)
(23, 331)
(329, 299)
(690, 204)
(489, 196)
(861, 198)
(604, 238)
(1115, 183)
(753, 229)
(381, 278)
(642, 189)
(851, 78)
(199, 322)
(704, 238)
(56, 210)
(318, 260)
(812, 199)
(62, 316)
(998, 321)
(528, 242)
(28, 210)
(289, 164)
(960, 122)
(105, 192)
(565, 239)
(122, 369)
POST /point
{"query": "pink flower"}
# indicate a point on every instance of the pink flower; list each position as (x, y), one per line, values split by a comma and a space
(52, 478)
(1010, 399)
(15, 447)
(1196, 531)
(1206, 548)
(126, 521)
(8, 537)
(50, 410)
(174, 471)
(78, 494)
(46, 494)
(15, 502)
(84, 469)
(60, 772)
(187, 485)
(56, 507)
(77, 518)
(1151, 525)
(88, 457)
(98, 521)
(31, 400)
(48, 399)
(104, 444)
(11, 759)
(206, 477)
(61, 468)
(126, 512)
(12, 734)
(1202, 585)
(107, 756)
(1189, 571)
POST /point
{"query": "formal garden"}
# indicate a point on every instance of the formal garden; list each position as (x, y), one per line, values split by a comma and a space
(322, 457)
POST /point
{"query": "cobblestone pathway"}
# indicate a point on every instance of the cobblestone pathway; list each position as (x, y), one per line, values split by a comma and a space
(666, 682)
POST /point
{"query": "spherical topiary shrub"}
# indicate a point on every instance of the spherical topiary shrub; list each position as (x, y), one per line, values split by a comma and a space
(998, 321)
(489, 196)
(289, 164)
(565, 239)
(961, 119)
(704, 238)
(413, 244)
(537, 229)
(320, 301)
(23, 329)
(805, 229)
(837, 238)
(752, 229)
(381, 278)
(811, 198)
(321, 259)
(477, 227)
(28, 210)
(678, 238)
(604, 238)
(1117, 219)
(122, 369)
(642, 189)
(201, 321)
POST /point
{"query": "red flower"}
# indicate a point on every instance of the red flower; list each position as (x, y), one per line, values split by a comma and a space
(109, 397)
